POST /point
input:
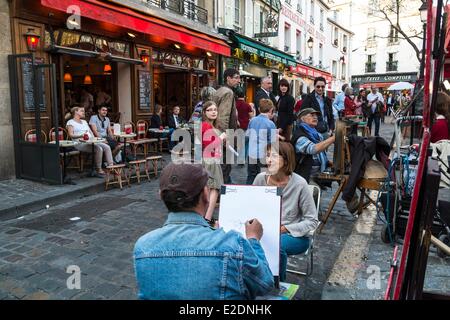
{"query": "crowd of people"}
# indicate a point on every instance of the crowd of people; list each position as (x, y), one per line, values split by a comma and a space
(288, 137)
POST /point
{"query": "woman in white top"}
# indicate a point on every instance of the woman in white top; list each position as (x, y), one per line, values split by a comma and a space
(77, 127)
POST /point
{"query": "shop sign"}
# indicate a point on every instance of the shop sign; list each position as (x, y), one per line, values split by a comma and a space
(293, 16)
(266, 55)
(411, 77)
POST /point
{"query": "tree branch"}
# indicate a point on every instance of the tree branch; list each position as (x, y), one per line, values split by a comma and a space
(400, 30)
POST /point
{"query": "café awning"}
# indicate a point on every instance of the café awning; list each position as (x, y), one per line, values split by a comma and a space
(132, 20)
(251, 46)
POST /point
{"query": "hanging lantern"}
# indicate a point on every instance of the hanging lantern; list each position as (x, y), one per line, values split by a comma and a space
(87, 77)
(145, 57)
(32, 40)
(107, 69)
(67, 77)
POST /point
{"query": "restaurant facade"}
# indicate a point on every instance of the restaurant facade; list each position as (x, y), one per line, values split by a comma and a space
(255, 60)
(122, 54)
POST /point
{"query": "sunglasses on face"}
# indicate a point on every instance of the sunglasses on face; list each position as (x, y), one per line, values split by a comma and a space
(318, 87)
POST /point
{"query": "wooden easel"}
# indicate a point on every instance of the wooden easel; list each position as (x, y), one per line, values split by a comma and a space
(341, 157)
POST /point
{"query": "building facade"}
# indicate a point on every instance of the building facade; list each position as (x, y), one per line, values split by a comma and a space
(303, 34)
(139, 53)
(380, 55)
(338, 49)
(252, 28)
(6, 130)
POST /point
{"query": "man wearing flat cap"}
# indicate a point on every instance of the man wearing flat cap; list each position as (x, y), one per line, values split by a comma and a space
(187, 259)
(310, 146)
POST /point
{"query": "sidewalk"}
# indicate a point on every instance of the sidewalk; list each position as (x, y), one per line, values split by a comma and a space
(19, 197)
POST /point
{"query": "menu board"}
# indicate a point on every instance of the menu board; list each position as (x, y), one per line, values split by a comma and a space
(145, 94)
(28, 85)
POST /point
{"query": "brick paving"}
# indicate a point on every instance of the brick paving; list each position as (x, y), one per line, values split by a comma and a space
(36, 250)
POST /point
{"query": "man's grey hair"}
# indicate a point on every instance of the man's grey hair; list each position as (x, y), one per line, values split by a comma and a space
(207, 93)
(266, 79)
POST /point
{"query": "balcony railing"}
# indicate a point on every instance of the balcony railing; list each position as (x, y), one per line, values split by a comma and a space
(391, 65)
(287, 49)
(370, 66)
(299, 8)
(311, 19)
(183, 7)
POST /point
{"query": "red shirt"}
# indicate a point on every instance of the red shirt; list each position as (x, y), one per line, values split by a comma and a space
(243, 109)
(349, 107)
(211, 143)
(298, 106)
(439, 130)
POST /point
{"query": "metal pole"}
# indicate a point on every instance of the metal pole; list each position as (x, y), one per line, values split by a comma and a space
(420, 84)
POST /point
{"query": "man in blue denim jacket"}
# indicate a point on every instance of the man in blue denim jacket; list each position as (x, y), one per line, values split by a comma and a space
(187, 259)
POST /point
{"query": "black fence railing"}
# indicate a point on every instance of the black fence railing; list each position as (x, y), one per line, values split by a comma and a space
(370, 66)
(183, 7)
(391, 65)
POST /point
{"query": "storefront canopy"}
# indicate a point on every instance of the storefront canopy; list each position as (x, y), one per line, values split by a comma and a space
(251, 46)
(129, 19)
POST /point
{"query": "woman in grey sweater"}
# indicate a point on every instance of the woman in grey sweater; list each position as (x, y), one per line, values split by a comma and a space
(298, 214)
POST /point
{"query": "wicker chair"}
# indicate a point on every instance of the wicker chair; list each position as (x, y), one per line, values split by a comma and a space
(30, 136)
(141, 139)
(63, 135)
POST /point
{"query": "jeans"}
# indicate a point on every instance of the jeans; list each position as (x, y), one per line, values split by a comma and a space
(290, 246)
(102, 152)
(226, 171)
(253, 169)
(376, 118)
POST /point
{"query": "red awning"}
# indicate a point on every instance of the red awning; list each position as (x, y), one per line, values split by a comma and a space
(127, 18)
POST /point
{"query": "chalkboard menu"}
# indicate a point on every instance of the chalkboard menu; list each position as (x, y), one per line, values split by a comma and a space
(145, 94)
(28, 85)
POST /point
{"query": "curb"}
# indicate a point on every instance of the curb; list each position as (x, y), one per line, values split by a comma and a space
(16, 211)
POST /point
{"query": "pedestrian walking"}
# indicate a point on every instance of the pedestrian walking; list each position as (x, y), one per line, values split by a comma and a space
(225, 101)
(264, 92)
(285, 109)
(376, 103)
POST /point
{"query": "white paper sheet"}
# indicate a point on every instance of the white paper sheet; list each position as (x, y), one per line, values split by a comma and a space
(242, 203)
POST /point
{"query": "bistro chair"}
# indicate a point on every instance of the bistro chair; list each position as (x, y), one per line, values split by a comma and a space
(116, 170)
(30, 136)
(135, 167)
(154, 161)
(315, 190)
(141, 139)
(71, 153)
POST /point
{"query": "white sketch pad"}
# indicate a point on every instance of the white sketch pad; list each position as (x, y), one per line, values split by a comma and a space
(242, 203)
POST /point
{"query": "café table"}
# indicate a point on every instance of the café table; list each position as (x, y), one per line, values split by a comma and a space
(64, 145)
(93, 142)
(125, 136)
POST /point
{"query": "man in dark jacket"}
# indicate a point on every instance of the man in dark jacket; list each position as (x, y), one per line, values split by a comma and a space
(319, 102)
(265, 92)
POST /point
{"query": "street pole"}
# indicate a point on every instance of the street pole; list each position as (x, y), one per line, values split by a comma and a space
(419, 99)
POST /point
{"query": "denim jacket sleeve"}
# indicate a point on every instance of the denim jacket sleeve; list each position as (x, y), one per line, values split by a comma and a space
(257, 277)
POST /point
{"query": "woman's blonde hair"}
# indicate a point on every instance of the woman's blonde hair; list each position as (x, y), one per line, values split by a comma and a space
(75, 109)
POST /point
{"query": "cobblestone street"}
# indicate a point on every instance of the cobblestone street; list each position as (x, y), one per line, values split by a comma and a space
(97, 233)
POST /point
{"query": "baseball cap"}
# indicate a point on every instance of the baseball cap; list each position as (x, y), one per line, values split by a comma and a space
(306, 111)
(184, 177)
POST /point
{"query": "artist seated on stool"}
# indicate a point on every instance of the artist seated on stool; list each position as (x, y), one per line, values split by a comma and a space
(299, 214)
(184, 259)
(310, 148)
